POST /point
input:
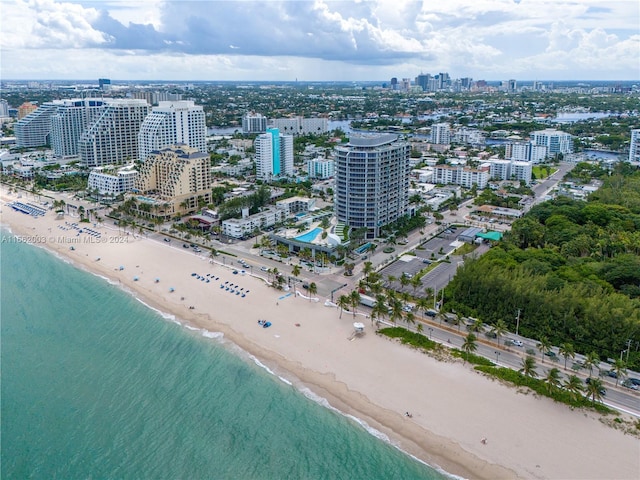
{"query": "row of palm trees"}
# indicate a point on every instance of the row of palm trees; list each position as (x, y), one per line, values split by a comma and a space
(553, 379)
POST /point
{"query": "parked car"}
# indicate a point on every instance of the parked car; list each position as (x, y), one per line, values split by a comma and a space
(184, 245)
(167, 239)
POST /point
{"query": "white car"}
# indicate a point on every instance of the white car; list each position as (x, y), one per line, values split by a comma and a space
(517, 343)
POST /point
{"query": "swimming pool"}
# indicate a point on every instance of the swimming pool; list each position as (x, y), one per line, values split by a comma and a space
(363, 248)
(146, 199)
(309, 236)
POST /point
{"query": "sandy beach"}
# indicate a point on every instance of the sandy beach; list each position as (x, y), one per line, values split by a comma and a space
(369, 377)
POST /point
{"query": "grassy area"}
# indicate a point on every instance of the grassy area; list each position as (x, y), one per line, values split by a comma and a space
(465, 249)
(540, 172)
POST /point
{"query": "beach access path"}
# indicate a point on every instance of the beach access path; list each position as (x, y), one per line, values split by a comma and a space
(453, 408)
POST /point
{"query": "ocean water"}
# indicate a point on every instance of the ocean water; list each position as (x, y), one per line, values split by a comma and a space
(96, 385)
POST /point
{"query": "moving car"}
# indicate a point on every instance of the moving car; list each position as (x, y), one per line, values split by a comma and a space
(517, 343)
(167, 239)
(629, 384)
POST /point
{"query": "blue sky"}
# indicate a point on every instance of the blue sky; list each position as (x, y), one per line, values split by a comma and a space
(317, 40)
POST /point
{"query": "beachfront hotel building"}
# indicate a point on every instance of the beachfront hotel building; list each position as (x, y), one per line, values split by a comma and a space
(34, 129)
(112, 182)
(70, 120)
(113, 138)
(58, 124)
(274, 155)
(557, 142)
(634, 146)
(173, 123)
(174, 181)
(372, 181)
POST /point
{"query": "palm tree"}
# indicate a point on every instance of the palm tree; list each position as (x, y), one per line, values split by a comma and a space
(380, 307)
(423, 304)
(396, 311)
(595, 390)
(620, 367)
(544, 345)
(313, 289)
(295, 271)
(411, 318)
(574, 386)
(416, 282)
(552, 379)
(367, 269)
(469, 346)
(343, 302)
(529, 367)
(419, 328)
(354, 298)
(404, 280)
(476, 326)
(500, 328)
(590, 361)
(567, 351)
(348, 268)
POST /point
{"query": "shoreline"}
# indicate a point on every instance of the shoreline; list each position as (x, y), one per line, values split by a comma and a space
(372, 379)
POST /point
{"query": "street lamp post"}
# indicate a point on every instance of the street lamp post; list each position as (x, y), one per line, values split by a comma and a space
(430, 332)
(517, 322)
(497, 355)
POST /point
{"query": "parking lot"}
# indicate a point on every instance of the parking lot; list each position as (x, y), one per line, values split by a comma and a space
(437, 248)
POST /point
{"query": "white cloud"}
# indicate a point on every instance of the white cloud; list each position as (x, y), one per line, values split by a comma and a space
(491, 39)
(42, 23)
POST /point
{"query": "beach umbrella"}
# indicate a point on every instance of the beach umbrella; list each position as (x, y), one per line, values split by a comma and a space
(135, 279)
(157, 280)
(121, 267)
(171, 289)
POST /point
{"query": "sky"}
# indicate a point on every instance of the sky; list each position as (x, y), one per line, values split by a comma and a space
(319, 40)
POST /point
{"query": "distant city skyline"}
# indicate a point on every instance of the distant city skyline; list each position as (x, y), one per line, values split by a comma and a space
(319, 40)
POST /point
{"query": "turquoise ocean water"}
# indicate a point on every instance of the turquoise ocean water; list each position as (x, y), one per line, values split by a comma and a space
(96, 385)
